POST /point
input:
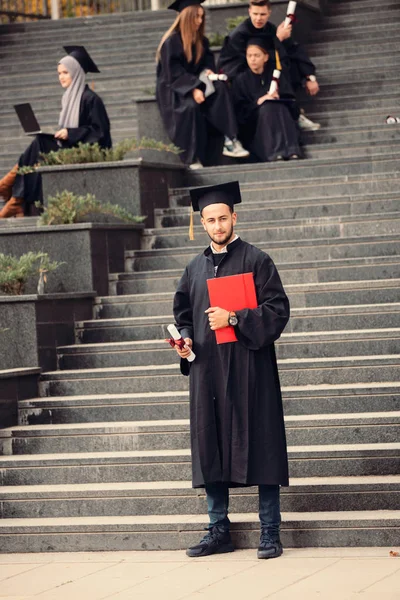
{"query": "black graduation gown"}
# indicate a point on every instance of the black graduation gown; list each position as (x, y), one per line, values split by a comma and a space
(296, 64)
(94, 126)
(236, 415)
(269, 130)
(197, 129)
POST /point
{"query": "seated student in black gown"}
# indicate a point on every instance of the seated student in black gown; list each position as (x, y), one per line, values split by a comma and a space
(267, 124)
(300, 69)
(195, 123)
(83, 118)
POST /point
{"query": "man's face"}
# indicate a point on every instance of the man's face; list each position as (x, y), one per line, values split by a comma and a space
(218, 221)
(256, 58)
(259, 15)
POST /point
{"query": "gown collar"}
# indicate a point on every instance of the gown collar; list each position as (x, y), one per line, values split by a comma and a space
(229, 247)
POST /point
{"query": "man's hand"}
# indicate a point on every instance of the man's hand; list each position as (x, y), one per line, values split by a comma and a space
(283, 33)
(312, 88)
(184, 353)
(198, 96)
(62, 134)
(273, 96)
(217, 317)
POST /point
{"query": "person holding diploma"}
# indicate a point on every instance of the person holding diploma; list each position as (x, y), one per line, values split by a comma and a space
(83, 118)
(201, 122)
(267, 122)
(236, 416)
(297, 68)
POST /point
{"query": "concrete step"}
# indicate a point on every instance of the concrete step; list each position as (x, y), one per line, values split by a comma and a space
(356, 269)
(317, 319)
(175, 465)
(170, 532)
(297, 400)
(313, 494)
(263, 231)
(158, 378)
(301, 250)
(310, 345)
(249, 210)
(321, 151)
(355, 428)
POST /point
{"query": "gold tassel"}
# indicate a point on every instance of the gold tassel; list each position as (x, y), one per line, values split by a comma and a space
(191, 225)
(278, 61)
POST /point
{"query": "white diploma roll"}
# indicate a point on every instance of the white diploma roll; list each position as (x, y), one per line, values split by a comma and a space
(218, 77)
(290, 12)
(177, 337)
(274, 83)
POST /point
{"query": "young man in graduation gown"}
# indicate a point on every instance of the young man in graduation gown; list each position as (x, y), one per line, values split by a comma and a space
(298, 69)
(267, 120)
(236, 416)
(83, 118)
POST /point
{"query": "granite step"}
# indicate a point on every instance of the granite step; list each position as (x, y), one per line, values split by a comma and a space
(297, 400)
(311, 494)
(298, 250)
(308, 319)
(355, 269)
(175, 465)
(321, 151)
(356, 428)
(158, 378)
(290, 345)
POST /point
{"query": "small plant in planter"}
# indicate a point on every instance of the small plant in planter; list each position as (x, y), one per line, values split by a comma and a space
(93, 153)
(16, 271)
(66, 208)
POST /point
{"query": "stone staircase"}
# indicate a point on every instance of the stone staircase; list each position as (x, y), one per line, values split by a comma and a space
(101, 461)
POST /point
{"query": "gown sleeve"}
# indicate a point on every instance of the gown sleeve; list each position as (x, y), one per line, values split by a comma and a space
(172, 63)
(232, 59)
(208, 61)
(263, 325)
(183, 315)
(300, 58)
(94, 124)
(244, 102)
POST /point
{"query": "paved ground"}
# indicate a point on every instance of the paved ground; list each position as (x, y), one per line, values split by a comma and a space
(327, 573)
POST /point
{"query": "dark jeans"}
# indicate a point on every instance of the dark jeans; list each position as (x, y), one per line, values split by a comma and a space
(269, 506)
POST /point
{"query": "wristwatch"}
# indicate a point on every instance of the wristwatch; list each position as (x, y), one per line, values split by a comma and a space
(311, 78)
(232, 319)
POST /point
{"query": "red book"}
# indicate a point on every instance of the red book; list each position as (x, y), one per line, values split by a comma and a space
(232, 293)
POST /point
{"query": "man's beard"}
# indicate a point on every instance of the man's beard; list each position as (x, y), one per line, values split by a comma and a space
(221, 241)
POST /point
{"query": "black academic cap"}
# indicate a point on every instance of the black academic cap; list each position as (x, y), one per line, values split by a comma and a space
(83, 57)
(264, 42)
(224, 193)
(180, 5)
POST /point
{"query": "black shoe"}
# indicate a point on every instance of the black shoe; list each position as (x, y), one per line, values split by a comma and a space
(270, 546)
(216, 541)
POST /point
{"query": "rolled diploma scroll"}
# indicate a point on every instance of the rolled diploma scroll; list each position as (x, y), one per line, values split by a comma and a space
(180, 341)
(274, 83)
(290, 13)
(218, 77)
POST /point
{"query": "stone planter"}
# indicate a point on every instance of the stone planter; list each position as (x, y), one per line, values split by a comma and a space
(36, 325)
(90, 251)
(138, 185)
(15, 385)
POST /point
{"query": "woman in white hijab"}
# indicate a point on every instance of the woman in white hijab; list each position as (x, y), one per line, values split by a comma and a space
(83, 118)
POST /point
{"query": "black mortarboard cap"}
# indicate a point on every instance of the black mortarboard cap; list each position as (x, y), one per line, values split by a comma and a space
(224, 193)
(179, 5)
(263, 41)
(83, 57)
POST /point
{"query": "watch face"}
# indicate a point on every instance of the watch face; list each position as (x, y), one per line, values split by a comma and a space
(233, 321)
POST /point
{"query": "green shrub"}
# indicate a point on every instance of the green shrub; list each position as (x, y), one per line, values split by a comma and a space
(66, 208)
(233, 22)
(15, 272)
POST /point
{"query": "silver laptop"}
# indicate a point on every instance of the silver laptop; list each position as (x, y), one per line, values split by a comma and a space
(29, 122)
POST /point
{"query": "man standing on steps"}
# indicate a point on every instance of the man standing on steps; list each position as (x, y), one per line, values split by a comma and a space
(236, 416)
(298, 69)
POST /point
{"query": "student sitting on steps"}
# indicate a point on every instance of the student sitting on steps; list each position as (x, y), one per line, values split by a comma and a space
(195, 120)
(301, 69)
(83, 118)
(267, 122)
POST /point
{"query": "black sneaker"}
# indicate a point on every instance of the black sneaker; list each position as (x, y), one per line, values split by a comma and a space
(270, 546)
(216, 541)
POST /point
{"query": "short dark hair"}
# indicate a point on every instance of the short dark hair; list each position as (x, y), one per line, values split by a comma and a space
(266, 3)
(231, 210)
